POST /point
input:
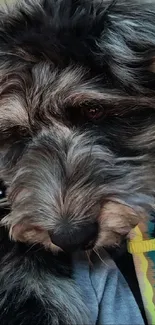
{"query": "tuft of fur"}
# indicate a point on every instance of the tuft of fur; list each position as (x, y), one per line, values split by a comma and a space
(64, 169)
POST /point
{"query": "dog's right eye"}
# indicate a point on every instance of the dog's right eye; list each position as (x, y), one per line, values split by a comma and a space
(84, 114)
(93, 113)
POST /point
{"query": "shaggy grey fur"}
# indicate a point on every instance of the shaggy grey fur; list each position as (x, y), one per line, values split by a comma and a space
(77, 142)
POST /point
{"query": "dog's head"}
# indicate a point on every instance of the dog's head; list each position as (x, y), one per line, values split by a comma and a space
(77, 120)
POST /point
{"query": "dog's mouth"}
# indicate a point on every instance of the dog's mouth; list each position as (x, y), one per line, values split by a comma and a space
(90, 245)
(109, 230)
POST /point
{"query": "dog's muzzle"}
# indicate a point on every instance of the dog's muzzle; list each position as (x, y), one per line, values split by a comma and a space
(83, 238)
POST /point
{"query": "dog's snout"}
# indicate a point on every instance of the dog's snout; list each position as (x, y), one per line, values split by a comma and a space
(78, 239)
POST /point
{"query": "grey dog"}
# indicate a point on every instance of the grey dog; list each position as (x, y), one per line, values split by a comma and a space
(77, 149)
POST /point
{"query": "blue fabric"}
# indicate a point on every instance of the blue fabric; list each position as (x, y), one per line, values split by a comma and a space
(105, 291)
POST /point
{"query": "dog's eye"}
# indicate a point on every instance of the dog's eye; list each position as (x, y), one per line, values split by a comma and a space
(94, 113)
(2, 191)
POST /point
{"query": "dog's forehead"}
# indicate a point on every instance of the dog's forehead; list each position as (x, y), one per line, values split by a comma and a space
(49, 57)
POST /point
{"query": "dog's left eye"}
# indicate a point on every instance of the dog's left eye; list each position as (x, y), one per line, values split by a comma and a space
(2, 191)
(94, 113)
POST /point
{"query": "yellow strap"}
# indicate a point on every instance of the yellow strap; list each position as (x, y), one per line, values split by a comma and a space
(141, 246)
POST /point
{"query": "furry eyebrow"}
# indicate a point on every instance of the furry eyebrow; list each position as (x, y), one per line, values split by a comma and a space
(44, 91)
(115, 103)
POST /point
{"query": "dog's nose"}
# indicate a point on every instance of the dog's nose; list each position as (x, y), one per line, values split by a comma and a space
(79, 239)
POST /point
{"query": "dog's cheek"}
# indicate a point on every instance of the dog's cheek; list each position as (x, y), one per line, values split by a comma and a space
(32, 235)
(116, 220)
(28, 233)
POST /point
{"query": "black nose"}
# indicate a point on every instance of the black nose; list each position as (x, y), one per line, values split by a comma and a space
(78, 239)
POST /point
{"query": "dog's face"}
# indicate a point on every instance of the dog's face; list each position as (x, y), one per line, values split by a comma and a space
(77, 146)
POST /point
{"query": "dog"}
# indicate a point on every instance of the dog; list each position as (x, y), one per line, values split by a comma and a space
(77, 144)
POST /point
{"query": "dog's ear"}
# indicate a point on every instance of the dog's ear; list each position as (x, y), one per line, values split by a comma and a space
(13, 143)
(14, 125)
(127, 42)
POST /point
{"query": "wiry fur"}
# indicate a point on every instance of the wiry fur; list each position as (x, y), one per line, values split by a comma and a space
(64, 172)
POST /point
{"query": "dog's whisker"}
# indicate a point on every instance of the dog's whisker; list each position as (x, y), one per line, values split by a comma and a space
(31, 247)
(88, 254)
(97, 253)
